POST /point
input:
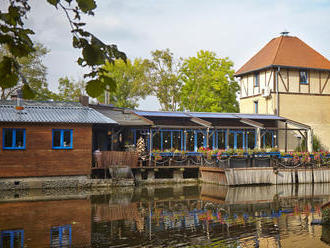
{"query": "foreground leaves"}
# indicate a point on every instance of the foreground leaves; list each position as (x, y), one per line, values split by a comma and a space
(17, 38)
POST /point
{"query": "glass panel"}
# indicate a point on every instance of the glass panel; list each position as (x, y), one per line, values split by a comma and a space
(200, 139)
(240, 140)
(156, 141)
(166, 140)
(231, 140)
(211, 134)
(221, 140)
(55, 237)
(57, 138)
(5, 240)
(268, 139)
(14, 236)
(177, 140)
(66, 239)
(189, 141)
(303, 76)
(19, 138)
(67, 139)
(8, 138)
(250, 139)
(17, 240)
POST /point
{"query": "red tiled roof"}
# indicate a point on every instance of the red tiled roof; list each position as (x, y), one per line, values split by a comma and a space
(287, 51)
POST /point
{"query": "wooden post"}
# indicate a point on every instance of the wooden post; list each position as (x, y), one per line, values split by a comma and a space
(258, 132)
(207, 137)
(309, 139)
(286, 137)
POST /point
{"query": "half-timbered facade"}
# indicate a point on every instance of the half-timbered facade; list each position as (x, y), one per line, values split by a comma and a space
(288, 78)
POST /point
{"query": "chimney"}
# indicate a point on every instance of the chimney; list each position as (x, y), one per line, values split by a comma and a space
(19, 100)
(84, 100)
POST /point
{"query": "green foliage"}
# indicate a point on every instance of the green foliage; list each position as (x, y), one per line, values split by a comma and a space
(69, 90)
(31, 70)
(130, 81)
(326, 215)
(317, 146)
(164, 79)
(17, 38)
(208, 84)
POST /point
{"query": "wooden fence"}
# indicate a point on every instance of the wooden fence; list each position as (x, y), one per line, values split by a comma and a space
(106, 159)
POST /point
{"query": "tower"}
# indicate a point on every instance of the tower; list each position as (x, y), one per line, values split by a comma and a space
(288, 78)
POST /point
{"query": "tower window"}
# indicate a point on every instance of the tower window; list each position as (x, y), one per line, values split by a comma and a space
(255, 107)
(256, 79)
(303, 77)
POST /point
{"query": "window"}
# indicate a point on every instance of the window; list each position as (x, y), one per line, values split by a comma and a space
(12, 238)
(256, 107)
(62, 138)
(61, 236)
(13, 138)
(256, 79)
(303, 77)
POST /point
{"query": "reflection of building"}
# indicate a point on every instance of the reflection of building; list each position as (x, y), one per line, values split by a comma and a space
(288, 78)
(45, 224)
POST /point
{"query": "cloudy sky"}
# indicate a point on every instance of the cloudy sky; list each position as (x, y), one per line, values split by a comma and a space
(232, 28)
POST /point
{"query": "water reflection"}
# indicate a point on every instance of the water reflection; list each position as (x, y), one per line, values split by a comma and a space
(180, 216)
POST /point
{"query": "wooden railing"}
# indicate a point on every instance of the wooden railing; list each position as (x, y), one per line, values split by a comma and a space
(106, 159)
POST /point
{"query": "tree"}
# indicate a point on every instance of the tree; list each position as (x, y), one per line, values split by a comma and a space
(17, 38)
(130, 82)
(164, 79)
(69, 90)
(33, 70)
(208, 84)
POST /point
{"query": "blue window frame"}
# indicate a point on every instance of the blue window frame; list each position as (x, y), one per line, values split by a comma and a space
(12, 239)
(268, 139)
(62, 139)
(250, 139)
(13, 138)
(256, 79)
(221, 139)
(303, 77)
(256, 109)
(61, 236)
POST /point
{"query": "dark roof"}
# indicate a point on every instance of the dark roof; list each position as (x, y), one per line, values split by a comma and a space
(124, 117)
(208, 115)
(51, 112)
(285, 51)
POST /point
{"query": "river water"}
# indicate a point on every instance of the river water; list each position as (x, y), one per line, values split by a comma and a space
(166, 216)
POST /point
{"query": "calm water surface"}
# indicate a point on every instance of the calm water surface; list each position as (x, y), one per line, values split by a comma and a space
(168, 216)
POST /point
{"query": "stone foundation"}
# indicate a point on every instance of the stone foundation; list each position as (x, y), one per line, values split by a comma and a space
(60, 182)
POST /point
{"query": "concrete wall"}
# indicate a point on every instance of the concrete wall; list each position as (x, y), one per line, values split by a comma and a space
(310, 110)
(265, 105)
(213, 175)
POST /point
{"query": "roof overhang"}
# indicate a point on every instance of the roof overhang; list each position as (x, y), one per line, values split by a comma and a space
(201, 122)
(141, 117)
(252, 123)
(298, 124)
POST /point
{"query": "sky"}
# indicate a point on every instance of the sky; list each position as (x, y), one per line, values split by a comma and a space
(232, 28)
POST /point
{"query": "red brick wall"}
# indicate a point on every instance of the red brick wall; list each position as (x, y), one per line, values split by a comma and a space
(39, 159)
